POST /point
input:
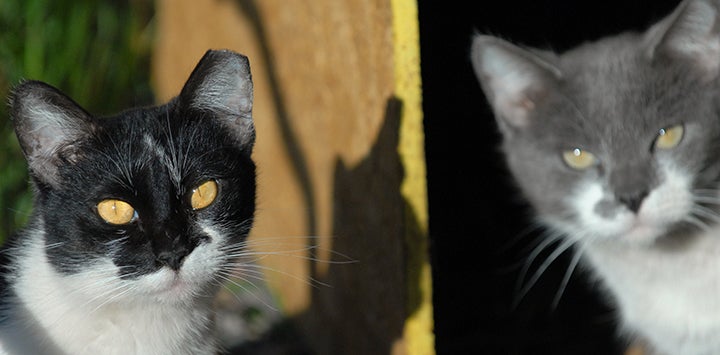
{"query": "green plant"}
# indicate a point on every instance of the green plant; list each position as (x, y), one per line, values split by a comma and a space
(97, 52)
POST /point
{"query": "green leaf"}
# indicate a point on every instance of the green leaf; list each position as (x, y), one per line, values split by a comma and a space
(97, 52)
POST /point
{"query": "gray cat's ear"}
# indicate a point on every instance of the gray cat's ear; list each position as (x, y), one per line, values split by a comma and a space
(221, 84)
(515, 81)
(691, 34)
(49, 126)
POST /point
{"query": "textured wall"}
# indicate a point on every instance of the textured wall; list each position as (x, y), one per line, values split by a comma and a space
(339, 155)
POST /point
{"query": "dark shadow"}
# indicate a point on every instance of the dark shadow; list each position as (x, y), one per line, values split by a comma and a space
(282, 339)
(249, 9)
(364, 311)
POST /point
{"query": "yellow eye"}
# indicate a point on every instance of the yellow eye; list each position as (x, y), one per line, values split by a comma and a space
(116, 211)
(669, 137)
(203, 195)
(578, 159)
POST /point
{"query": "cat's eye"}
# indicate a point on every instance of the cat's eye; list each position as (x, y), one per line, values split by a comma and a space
(669, 137)
(579, 159)
(116, 211)
(203, 195)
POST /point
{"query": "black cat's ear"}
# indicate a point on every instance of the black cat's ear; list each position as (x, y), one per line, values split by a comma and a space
(221, 84)
(49, 126)
(515, 80)
(690, 34)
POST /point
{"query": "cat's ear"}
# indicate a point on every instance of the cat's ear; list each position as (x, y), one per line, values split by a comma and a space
(49, 126)
(515, 80)
(221, 84)
(690, 34)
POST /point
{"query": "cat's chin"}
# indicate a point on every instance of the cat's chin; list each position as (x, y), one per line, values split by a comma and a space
(170, 286)
(634, 233)
(643, 234)
(170, 282)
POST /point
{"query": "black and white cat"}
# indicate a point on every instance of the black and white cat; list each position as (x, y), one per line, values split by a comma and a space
(616, 145)
(137, 218)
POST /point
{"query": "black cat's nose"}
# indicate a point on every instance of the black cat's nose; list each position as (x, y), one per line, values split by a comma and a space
(173, 258)
(633, 201)
(171, 251)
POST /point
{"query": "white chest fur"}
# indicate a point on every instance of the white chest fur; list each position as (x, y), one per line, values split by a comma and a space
(669, 294)
(57, 314)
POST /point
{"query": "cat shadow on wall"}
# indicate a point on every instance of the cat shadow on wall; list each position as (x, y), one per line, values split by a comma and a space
(364, 307)
(364, 311)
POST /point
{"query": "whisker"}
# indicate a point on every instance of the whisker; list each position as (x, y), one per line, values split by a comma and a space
(707, 191)
(309, 281)
(54, 245)
(547, 240)
(707, 199)
(566, 278)
(506, 246)
(293, 253)
(128, 287)
(246, 290)
(247, 272)
(697, 222)
(705, 212)
(565, 245)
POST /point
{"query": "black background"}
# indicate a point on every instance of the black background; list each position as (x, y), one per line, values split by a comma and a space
(476, 214)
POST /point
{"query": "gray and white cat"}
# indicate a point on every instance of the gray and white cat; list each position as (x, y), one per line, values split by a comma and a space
(137, 218)
(616, 145)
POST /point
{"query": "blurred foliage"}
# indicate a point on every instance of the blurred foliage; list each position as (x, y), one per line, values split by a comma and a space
(97, 52)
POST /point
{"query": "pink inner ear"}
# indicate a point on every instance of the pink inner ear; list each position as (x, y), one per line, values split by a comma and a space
(511, 97)
(511, 79)
(517, 111)
(240, 99)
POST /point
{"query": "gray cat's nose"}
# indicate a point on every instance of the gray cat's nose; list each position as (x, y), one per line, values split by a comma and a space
(633, 201)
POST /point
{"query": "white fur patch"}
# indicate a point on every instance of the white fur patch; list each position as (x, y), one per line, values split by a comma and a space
(97, 312)
(665, 290)
(667, 204)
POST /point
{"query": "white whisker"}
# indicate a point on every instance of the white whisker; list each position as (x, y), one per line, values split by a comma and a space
(564, 245)
(706, 213)
(245, 289)
(309, 281)
(566, 278)
(547, 240)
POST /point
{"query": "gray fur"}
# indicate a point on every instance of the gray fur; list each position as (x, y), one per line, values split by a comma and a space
(628, 213)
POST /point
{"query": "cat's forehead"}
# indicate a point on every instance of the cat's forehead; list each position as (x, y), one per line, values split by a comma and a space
(149, 143)
(613, 88)
(619, 71)
(160, 129)
(609, 73)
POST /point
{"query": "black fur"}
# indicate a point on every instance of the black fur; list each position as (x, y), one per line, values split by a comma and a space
(85, 160)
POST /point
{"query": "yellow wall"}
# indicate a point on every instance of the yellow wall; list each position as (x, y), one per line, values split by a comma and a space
(341, 167)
